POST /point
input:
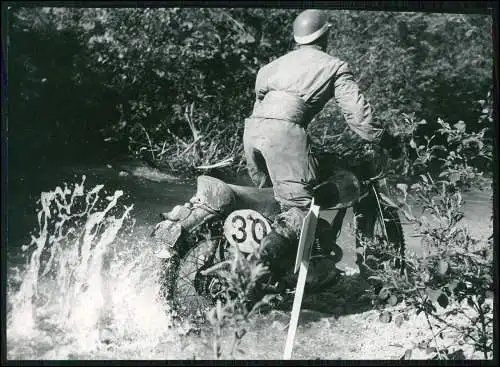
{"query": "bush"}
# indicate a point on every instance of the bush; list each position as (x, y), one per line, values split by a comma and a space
(235, 314)
(456, 269)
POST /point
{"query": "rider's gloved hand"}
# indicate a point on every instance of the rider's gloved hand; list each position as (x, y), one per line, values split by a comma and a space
(391, 145)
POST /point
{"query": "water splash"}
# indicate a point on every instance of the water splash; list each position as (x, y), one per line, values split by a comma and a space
(89, 282)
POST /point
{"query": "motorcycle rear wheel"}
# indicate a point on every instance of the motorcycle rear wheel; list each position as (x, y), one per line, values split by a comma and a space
(190, 291)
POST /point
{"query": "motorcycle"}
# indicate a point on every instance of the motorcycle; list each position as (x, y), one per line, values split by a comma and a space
(193, 246)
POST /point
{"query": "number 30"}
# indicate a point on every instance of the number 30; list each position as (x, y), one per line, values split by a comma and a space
(243, 229)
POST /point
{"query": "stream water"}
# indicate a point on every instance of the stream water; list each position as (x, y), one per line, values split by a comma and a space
(81, 275)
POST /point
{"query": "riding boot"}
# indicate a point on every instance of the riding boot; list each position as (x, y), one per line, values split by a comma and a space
(180, 220)
(213, 198)
(279, 248)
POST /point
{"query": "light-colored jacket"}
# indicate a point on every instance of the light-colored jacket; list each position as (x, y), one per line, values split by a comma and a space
(296, 86)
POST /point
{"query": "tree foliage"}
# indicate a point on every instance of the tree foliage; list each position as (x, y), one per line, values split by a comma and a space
(163, 80)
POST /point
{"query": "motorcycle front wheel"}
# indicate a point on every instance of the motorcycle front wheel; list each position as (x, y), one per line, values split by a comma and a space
(379, 235)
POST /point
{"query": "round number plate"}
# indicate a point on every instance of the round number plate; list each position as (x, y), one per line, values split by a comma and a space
(246, 228)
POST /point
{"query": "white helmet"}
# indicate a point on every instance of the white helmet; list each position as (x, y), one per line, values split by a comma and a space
(310, 25)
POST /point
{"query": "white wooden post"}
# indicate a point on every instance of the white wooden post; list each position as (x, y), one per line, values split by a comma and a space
(307, 235)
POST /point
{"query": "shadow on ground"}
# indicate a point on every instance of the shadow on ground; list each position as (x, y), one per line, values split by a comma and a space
(350, 295)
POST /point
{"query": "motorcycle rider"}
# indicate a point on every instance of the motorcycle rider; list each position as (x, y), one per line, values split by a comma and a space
(290, 91)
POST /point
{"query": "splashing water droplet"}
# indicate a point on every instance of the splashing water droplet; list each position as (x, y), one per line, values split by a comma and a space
(85, 284)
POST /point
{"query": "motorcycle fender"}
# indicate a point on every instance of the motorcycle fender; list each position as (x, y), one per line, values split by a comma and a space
(165, 236)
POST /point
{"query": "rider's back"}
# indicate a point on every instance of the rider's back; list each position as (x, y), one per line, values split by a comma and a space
(297, 85)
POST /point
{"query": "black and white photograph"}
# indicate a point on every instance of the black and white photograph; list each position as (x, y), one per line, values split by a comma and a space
(216, 182)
